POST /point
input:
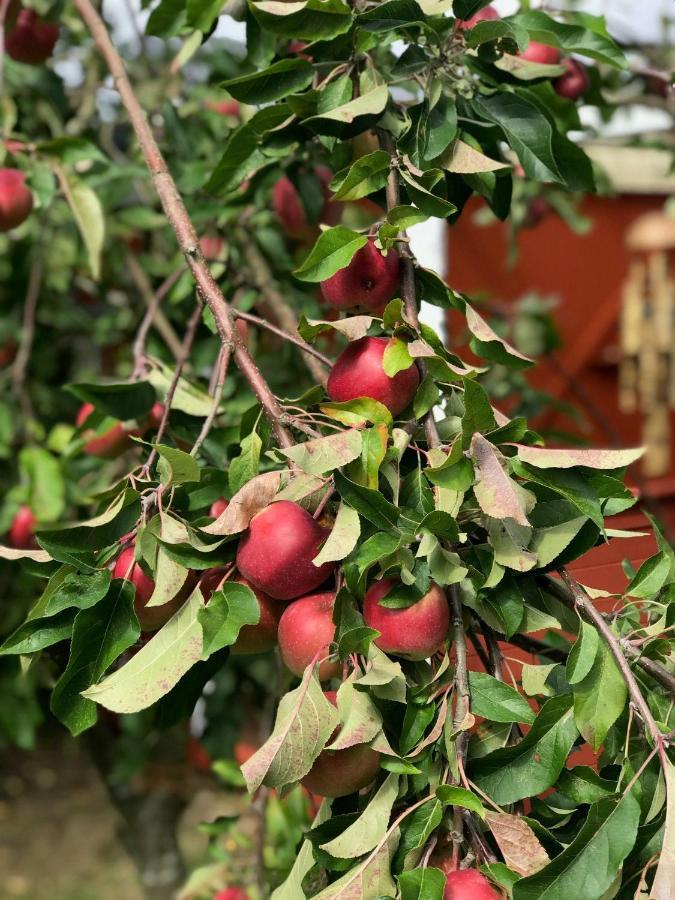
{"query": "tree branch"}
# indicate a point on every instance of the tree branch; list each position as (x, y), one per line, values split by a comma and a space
(181, 223)
(153, 315)
(222, 366)
(20, 365)
(287, 336)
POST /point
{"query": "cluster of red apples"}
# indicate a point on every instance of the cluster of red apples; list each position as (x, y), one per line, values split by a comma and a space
(30, 40)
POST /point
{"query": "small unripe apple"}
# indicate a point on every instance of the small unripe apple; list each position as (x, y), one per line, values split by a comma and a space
(541, 53)
(30, 39)
(358, 372)
(218, 507)
(468, 884)
(483, 15)
(152, 618)
(336, 773)
(276, 552)
(416, 631)
(21, 534)
(108, 445)
(16, 200)
(575, 82)
(232, 893)
(291, 212)
(306, 628)
(370, 280)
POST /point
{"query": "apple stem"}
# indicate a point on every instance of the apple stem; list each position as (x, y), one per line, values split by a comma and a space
(178, 217)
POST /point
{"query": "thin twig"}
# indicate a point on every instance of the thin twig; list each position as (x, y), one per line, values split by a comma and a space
(288, 336)
(181, 223)
(19, 368)
(463, 693)
(186, 346)
(153, 313)
(222, 366)
(585, 606)
(4, 7)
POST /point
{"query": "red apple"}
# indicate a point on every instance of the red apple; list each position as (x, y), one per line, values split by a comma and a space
(232, 893)
(541, 53)
(30, 39)
(211, 246)
(306, 628)
(276, 552)
(291, 212)
(197, 756)
(416, 631)
(468, 884)
(243, 751)
(224, 108)
(358, 372)
(483, 15)
(155, 417)
(108, 445)
(574, 83)
(218, 507)
(336, 773)
(21, 534)
(154, 617)
(370, 280)
(7, 353)
(16, 200)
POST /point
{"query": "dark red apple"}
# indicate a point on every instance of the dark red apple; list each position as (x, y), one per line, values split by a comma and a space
(416, 631)
(218, 507)
(370, 280)
(483, 15)
(108, 445)
(575, 82)
(306, 628)
(336, 773)
(541, 53)
(16, 200)
(468, 884)
(358, 372)
(21, 534)
(291, 213)
(276, 552)
(7, 353)
(30, 39)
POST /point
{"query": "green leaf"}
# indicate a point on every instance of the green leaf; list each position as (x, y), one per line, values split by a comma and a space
(488, 344)
(95, 534)
(158, 665)
(89, 216)
(498, 495)
(365, 176)
(396, 357)
(370, 828)
(291, 889)
(358, 412)
(369, 879)
(322, 455)
(588, 866)
(422, 884)
(167, 19)
(333, 250)
(73, 590)
(228, 610)
(599, 699)
(583, 653)
(123, 400)
(571, 38)
(428, 201)
(38, 633)
(478, 415)
(366, 469)
(664, 879)
(100, 635)
(546, 458)
(313, 20)
(368, 105)
(46, 486)
(245, 466)
(415, 832)
(369, 503)
(305, 720)
(497, 701)
(650, 577)
(71, 150)
(288, 76)
(582, 784)
(449, 795)
(176, 466)
(342, 538)
(534, 764)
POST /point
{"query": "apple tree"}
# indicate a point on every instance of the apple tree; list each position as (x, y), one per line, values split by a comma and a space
(281, 458)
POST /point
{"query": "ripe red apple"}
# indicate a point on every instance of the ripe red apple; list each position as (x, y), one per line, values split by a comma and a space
(370, 280)
(30, 39)
(468, 884)
(152, 618)
(108, 445)
(276, 552)
(155, 417)
(197, 756)
(483, 15)
(306, 628)
(336, 773)
(224, 108)
(291, 213)
(218, 507)
(211, 246)
(541, 53)
(16, 201)
(232, 893)
(575, 82)
(7, 353)
(21, 534)
(414, 631)
(358, 372)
